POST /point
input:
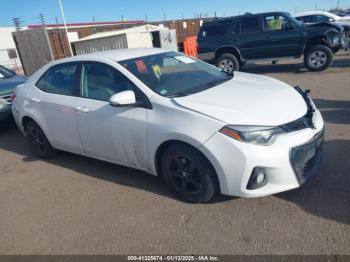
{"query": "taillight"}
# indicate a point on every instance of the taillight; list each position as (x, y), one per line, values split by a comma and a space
(13, 97)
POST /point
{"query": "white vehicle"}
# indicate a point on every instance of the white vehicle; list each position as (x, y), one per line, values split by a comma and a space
(312, 17)
(203, 130)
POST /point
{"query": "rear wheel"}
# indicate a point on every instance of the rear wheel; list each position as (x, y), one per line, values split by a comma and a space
(228, 63)
(318, 58)
(189, 174)
(38, 142)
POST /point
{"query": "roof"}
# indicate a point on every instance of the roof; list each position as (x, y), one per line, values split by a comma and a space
(143, 28)
(335, 17)
(222, 19)
(116, 55)
(89, 24)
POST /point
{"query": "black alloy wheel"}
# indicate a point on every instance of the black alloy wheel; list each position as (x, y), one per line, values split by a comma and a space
(38, 142)
(189, 174)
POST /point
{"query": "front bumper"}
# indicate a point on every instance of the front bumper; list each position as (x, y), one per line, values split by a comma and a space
(285, 161)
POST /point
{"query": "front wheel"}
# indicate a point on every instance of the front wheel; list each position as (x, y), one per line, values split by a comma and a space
(227, 63)
(189, 174)
(318, 58)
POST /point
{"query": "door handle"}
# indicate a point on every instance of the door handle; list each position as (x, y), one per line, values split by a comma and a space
(36, 100)
(82, 109)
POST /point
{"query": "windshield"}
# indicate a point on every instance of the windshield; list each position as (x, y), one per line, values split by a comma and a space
(173, 74)
(4, 72)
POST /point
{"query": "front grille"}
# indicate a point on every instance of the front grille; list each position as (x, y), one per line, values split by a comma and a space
(299, 124)
(305, 159)
(7, 97)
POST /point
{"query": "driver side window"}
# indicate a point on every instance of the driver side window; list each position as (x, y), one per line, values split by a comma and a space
(274, 23)
(101, 81)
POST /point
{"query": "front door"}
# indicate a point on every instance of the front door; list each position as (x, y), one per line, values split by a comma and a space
(116, 134)
(282, 38)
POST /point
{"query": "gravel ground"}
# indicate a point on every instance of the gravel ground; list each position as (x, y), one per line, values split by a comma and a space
(77, 205)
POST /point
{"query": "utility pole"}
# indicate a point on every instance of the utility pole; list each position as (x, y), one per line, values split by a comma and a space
(94, 28)
(41, 19)
(65, 26)
(164, 16)
(60, 38)
(146, 18)
(17, 23)
(338, 4)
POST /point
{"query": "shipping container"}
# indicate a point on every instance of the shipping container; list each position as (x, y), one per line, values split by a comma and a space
(140, 36)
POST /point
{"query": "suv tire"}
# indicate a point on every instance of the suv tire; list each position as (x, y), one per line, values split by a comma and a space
(318, 58)
(188, 174)
(227, 62)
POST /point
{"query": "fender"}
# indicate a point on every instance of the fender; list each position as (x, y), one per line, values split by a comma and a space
(240, 57)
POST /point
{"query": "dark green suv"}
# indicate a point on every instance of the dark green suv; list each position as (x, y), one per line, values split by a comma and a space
(231, 42)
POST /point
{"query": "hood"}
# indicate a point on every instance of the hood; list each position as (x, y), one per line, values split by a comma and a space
(248, 99)
(8, 85)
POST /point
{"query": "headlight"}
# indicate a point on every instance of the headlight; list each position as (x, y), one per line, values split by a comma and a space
(259, 135)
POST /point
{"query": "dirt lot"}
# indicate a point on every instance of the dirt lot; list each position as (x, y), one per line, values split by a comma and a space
(76, 205)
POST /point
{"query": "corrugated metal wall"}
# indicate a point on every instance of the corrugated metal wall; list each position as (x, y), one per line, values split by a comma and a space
(135, 40)
(168, 39)
(101, 44)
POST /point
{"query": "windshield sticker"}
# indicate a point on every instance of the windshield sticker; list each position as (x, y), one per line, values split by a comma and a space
(141, 67)
(163, 91)
(185, 59)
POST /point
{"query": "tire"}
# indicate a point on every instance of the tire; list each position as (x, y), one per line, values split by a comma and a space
(318, 58)
(188, 174)
(38, 142)
(227, 62)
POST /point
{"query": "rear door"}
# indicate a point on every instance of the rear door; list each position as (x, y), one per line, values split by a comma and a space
(252, 43)
(54, 104)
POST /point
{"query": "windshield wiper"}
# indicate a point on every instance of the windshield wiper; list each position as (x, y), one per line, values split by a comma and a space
(219, 81)
(201, 88)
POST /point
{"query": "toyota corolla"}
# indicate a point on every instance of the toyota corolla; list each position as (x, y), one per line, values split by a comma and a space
(205, 131)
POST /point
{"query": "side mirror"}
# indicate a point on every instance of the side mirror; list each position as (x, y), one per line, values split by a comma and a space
(124, 98)
(331, 20)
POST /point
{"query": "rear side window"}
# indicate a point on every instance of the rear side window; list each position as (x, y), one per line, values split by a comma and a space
(61, 79)
(250, 24)
(215, 29)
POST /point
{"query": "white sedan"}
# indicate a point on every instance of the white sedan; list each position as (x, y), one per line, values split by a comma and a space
(203, 130)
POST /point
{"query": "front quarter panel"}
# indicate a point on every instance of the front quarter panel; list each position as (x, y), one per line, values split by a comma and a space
(169, 121)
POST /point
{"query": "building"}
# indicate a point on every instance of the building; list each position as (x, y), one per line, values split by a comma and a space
(8, 52)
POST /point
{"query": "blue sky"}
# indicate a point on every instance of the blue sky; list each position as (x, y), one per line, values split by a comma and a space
(109, 10)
